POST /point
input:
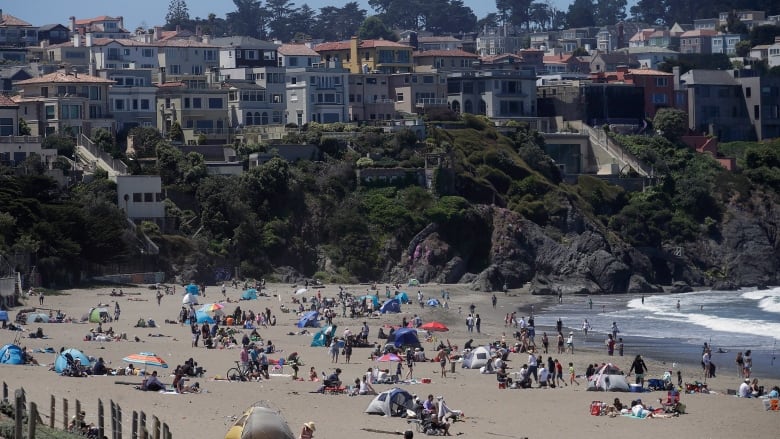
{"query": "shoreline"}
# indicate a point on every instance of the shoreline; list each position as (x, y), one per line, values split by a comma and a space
(489, 411)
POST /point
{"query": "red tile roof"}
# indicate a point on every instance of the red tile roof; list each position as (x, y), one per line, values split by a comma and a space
(296, 50)
(648, 72)
(366, 44)
(62, 77)
(10, 20)
(699, 33)
(446, 53)
(5, 101)
(96, 19)
(556, 59)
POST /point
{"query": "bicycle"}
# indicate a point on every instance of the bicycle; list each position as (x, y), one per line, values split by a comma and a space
(240, 372)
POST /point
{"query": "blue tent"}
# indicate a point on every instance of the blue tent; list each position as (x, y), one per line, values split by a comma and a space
(433, 302)
(11, 354)
(402, 297)
(203, 317)
(320, 337)
(309, 319)
(392, 305)
(373, 299)
(192, 289)
(61, 363)
(3, 316)
(404, 337)
(250, 294)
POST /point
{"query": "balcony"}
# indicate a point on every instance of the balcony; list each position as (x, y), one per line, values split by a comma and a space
(430, 102)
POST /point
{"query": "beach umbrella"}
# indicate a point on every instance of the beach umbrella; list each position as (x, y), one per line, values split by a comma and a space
(435, 327)
(211, 307)
(301, 291)
(189, 299)
(192, 289)
(433, 302)
(147, 359)
(389, 357)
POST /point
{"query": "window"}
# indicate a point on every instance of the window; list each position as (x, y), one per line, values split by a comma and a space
(70, 111)
(756, 112)
(209, 55)
(147, 53)
(50, 112)
(659, 98)
(119, 105)
(747, 92)
(427, 79)
(292, 61)
(145, 104)
(661, 82)
(215, 103)
(148, 197)
(6, 126)
(197, 69)
(197, 103)
(399, 97)
(186, 103)
(250, 54)
(137, 197)
(278, 98)
(175, 69)
(135, 104)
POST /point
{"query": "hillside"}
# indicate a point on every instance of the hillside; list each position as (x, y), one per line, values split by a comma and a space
(498, 213)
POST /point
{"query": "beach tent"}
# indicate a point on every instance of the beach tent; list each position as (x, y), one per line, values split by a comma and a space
(393, 402)
(3, 316)
(189, 299)
(404, 337)
(433, 302)
(250, 294)
(402, 297)
(608, 378)
(192, 289)
(11, 354)
(414, 283)
(260, 422)
(476, 358)
(309, 319)
(61, 363)
(374, 300)
(203, 317)
(96, 315)
(321, 337)
(37, 317)
(391, 305)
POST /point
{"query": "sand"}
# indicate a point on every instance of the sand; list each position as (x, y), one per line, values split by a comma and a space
(489, 412)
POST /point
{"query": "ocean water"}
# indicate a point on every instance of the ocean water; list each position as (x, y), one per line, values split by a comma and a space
(730, 321)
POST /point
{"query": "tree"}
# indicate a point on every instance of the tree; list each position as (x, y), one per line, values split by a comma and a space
(249, 19)
(145, 141)
(279, 14)
(609, 12)
(24, 129)
(743, 48)
(734, 25)
(339, 23)
(105, 141)
(178, 14)
(517, 12)
(175, 133)
(65, 145)
(671, 123)
(581, 14)
(303, 21)
(374, 29)
(764, 34)
(541, 14)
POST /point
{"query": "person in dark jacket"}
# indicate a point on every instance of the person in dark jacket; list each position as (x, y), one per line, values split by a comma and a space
(639, 368)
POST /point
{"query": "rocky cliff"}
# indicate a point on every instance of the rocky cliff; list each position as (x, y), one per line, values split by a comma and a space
(579, 257)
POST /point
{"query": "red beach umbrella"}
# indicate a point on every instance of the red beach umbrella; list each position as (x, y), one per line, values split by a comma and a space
(435, 327)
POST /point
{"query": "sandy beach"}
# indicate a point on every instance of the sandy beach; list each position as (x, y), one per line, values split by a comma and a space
(489, 411)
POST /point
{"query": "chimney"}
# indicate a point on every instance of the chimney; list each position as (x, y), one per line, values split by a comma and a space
(121, 22)
(157, 33)
(353, 54)
(76, 39)
(88, 42)
(72, 23)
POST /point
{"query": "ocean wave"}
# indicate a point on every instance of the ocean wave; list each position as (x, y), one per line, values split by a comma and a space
(759, 328)
(770, 304)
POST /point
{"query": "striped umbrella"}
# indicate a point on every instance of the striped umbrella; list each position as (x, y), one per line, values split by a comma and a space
(211, 307)
(389, 357)
(147, 359)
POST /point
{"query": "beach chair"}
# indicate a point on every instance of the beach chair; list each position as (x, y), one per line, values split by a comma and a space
(596, 408)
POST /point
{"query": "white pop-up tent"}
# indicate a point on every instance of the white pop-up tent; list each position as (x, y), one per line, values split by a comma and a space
(393, 402)
(476, 358)
(608, 378)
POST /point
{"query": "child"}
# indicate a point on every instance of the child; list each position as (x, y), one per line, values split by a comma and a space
(572, 375)
(313, 374)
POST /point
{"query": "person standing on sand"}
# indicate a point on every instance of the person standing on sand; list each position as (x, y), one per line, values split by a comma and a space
(570, 343)
(409, 365)
(572, 375)
(478, 323)
(532, 365)
(40, 297)
(545, 342)
(615, 330)
(590, 303)
(585, 328)
(442, 357)
(610, 343)
(560, 342)
(559, 325)
(494, 300)
(639, 368)
(116, 310)
(748, 363)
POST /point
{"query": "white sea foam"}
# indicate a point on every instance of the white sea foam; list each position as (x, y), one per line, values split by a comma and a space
(759, 328)
(768, 300)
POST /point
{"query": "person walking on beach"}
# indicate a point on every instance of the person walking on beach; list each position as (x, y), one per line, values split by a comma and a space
(116, 310)
(639, 368)
(545, 342)
(40, 298)
(678, 305)
(620, 346)
(590, 303)
(740, 365)
(409, 365)
(572, 375)
(442, 358)
(532, 365)
(494, 300)
(615, 330)
(610, 342)
(570, 343)
(560, 342)
(585, 328)
(478, 323)
(559, 325)
(748, 363)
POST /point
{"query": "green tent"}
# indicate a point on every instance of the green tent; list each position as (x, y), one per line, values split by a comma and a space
(97, 315)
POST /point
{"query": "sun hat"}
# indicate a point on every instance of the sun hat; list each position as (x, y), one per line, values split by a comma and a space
(309, 425)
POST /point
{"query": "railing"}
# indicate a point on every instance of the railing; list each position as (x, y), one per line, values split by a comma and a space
(20, 139)
(431, 101)
(138, 427)
(600, 137)
(115, 164)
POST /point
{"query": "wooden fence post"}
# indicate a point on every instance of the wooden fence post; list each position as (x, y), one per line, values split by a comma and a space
(142, 429)
(5, 391)
(18, 413)
(119, 422)
(166, 432)
(134, 427)
(156, 428)
(64, 413)
(78, 410)
(32, 420)
(101, 422)
(52, 411)
(113, 419)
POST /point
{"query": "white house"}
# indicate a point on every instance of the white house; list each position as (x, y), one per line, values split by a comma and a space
(317, 94)
(141, 196)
